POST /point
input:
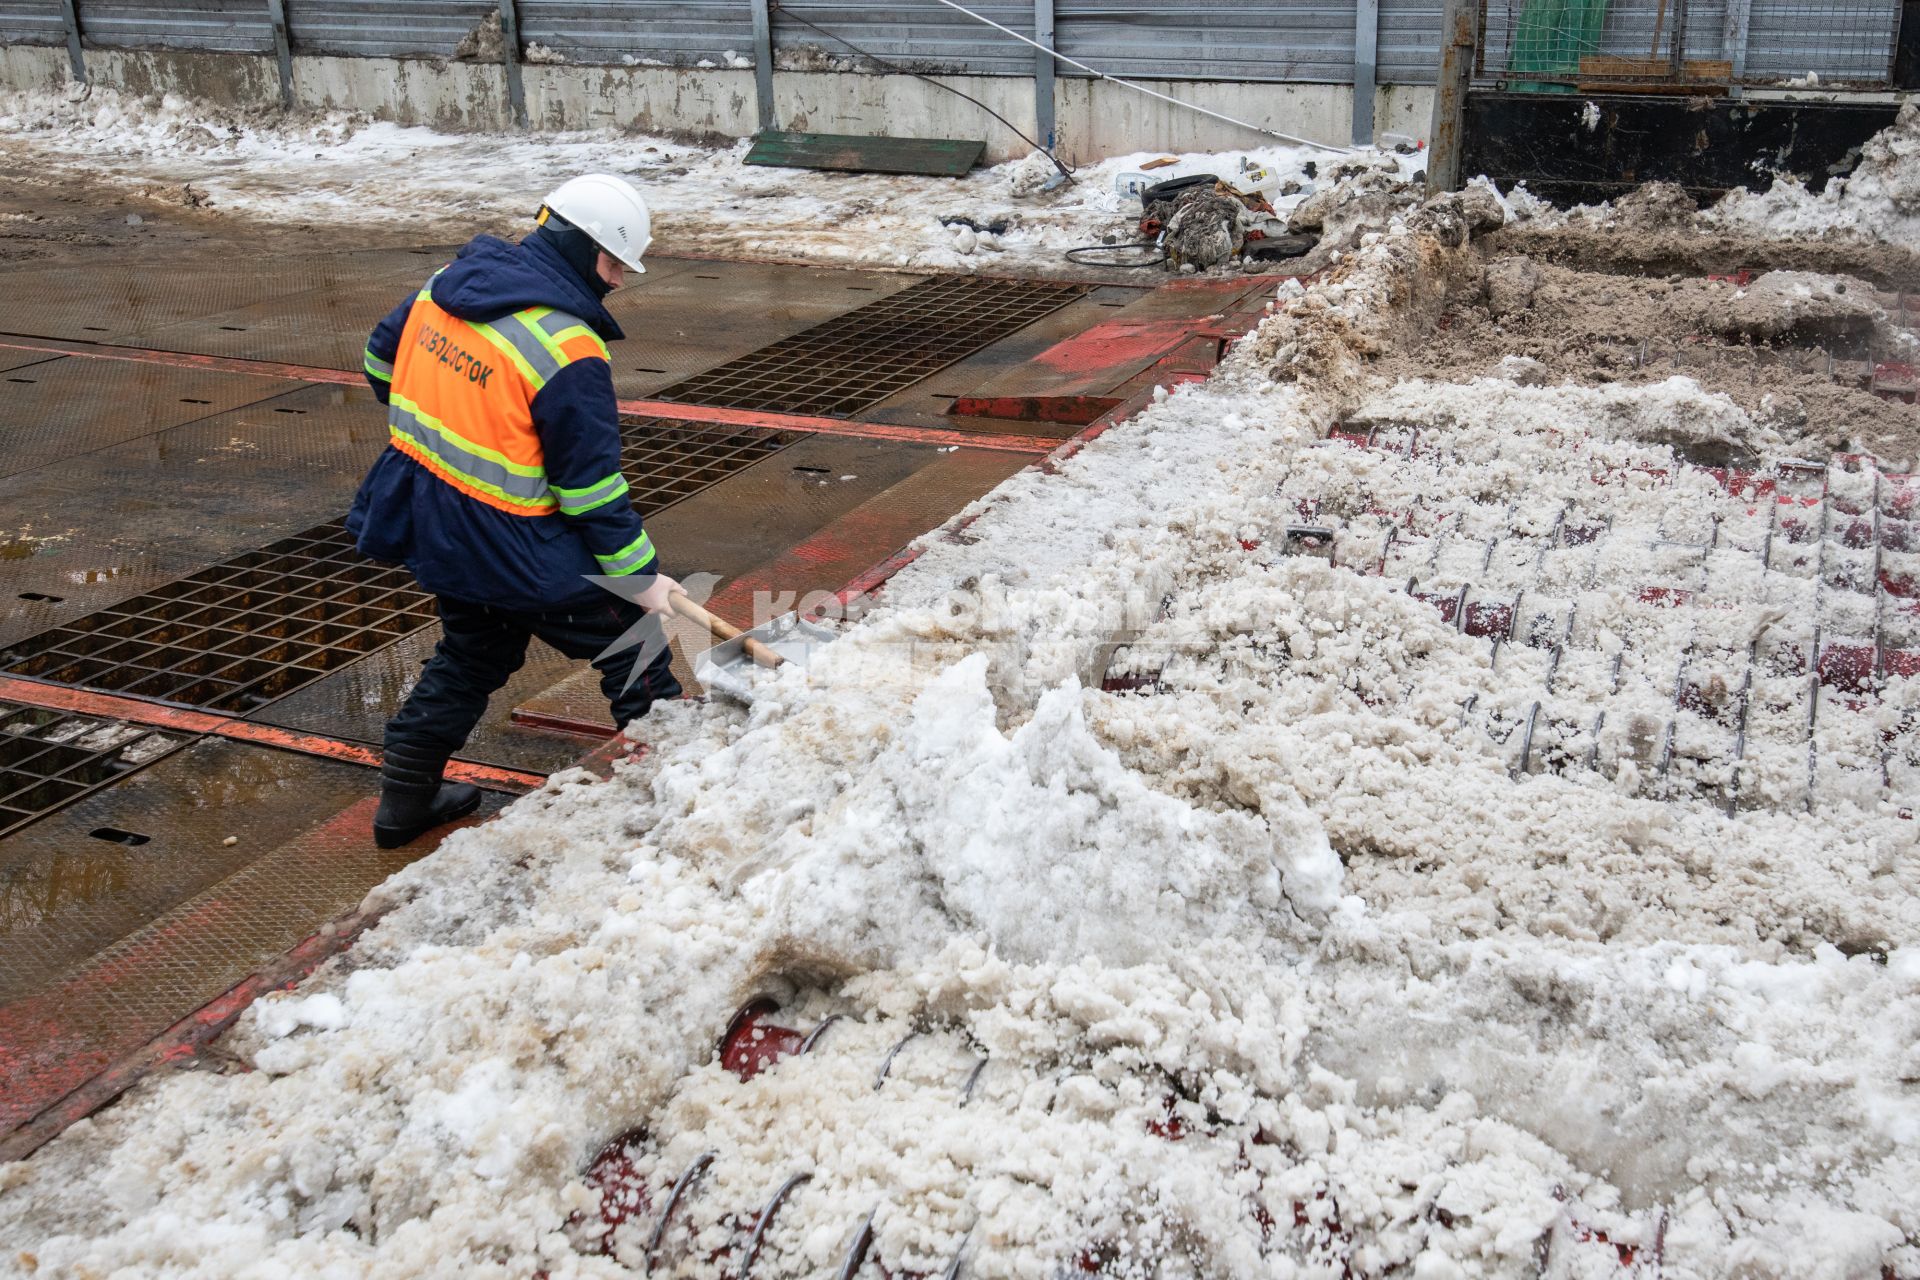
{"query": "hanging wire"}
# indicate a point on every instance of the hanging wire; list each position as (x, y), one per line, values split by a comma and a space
(896, 67)
(1128, 84)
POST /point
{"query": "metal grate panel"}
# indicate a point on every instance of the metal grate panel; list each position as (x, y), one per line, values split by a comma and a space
(666, 460)
(859, 359)
(1573, 609)
(51, 758)
(237, 635)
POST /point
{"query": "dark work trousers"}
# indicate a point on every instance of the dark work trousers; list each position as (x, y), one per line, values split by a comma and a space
(480, 648)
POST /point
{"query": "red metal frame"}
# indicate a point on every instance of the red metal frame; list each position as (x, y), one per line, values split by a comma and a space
(936, 436)
(109, 706)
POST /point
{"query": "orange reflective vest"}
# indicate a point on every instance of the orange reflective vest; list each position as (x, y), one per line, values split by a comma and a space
(461, 403)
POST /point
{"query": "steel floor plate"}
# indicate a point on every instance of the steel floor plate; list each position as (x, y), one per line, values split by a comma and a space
(118, 942)
(710, 312)
(66, 892)
(853, 361)
(88, 304)
(88, 532)
(12, 358)
(925, 403)
(61, 408)
(49, 759)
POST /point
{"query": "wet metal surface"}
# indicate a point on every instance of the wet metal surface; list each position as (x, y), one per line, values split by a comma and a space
(701, 314)
(928, 402)
(94, 530)
(666, 461)
(66, 891)
(859, 359)
(52, 758)
(60, 408)
(136, 938)
(237, 635)
(115, 302)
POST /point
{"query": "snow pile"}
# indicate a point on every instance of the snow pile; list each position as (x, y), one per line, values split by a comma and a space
(1880, 200)
(341, 167)
(1533, 1022)
(1877, 204)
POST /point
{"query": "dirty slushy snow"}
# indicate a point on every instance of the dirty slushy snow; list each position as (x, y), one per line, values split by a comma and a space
(1276, 964)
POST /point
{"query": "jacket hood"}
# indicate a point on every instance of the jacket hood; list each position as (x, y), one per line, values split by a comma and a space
(492, 278)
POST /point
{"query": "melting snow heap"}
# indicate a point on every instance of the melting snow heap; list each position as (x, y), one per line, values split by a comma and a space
(1316, 831)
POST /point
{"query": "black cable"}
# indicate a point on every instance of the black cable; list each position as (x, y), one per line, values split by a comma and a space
(897, 68)
(1116, 248)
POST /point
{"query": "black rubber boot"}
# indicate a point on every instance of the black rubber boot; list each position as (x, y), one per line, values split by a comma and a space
(407, 814)
(413, 799)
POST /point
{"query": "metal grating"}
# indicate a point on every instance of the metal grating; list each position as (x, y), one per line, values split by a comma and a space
(1576, 611)
(240, 634)
(256, 627)
(856, 360)
(666, 460)
(51, 758)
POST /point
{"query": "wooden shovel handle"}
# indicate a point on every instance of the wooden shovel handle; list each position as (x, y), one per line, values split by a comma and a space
(723, 630)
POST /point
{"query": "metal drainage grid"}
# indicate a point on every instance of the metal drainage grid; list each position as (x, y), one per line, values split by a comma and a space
(858, 359)
(51, 758)
(665, 459)
(238, 635)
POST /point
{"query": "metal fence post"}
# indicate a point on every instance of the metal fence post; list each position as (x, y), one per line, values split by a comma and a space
(283, 51)
(1739, 14)
(1043, 105)
(1677, 42)
(1459, 35)
(1366, 48)
(763, 64)
(75, 58)
(510, 56)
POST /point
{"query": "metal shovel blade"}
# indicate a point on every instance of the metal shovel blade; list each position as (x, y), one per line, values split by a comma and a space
(726, 668)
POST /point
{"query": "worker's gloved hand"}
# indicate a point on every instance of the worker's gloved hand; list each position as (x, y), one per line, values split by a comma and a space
(655, 598)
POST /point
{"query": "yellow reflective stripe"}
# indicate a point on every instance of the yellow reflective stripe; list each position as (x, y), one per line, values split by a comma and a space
(400, 402)
(635, 555)
(576, 502)
(377, 367)
(506, 347)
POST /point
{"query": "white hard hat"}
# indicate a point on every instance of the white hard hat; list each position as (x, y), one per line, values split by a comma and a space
(610, 211)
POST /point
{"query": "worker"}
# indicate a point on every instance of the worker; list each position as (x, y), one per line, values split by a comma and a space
(500, 486)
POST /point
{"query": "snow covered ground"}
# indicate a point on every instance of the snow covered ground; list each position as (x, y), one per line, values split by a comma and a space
(1280, 965)
(342, 169)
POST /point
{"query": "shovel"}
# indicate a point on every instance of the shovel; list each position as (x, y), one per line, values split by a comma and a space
(728, 666)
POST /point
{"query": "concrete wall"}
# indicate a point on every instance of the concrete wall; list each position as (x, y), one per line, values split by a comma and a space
(1094, 118)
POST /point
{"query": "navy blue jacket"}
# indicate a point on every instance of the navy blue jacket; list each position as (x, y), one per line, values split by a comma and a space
(457, 546)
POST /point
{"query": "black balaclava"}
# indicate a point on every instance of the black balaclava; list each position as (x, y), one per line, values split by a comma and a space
(577, 248)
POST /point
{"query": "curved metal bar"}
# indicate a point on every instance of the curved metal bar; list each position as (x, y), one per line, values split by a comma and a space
(813, 1036)
(953, 1268)
(681, 1185)
(973, 1078)
(766, 1219)
(886, 1065)
(857, 1251)
(1526, 742)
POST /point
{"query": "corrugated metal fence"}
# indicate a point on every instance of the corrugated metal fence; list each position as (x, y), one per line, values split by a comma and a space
(1614, 44)
(1248, 40)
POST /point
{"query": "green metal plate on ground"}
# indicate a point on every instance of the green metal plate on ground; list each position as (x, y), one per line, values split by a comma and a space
(934, 157)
